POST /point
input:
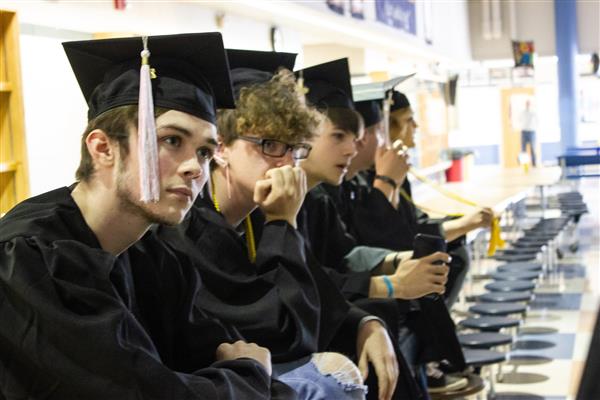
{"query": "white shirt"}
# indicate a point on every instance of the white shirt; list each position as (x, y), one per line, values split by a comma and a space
(528, 120)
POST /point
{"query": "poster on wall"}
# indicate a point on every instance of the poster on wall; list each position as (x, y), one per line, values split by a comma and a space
(523, 53)
(399, 14)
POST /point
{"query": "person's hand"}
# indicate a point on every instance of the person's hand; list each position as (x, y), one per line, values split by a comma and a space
(374, 346)
(481, 218)
(241, 349)
(392, 162)
(416, 278)
(281, 193)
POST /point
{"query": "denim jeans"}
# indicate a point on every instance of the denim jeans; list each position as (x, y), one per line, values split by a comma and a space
(310, 384)
(528, 137)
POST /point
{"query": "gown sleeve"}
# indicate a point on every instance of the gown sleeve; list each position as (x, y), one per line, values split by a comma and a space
(67, 333)
(273, 302)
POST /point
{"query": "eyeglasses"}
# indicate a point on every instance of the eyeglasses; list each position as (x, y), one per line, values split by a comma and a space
(277, 148)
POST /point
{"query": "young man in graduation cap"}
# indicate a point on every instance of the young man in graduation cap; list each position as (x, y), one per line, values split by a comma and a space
(410, 220)
(333, 245)
(369, 205)
(71, 323)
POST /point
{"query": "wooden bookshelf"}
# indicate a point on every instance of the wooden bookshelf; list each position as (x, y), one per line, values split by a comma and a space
(14, 178)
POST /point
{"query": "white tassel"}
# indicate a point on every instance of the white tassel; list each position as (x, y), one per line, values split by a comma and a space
(147, 140)
(387, 105)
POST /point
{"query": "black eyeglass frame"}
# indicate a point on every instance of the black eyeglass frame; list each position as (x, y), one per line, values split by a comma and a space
(294, 148)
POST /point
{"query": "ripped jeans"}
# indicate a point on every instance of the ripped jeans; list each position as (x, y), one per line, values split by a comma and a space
(312, 382)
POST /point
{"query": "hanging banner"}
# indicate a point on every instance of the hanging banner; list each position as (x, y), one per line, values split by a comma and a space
(337, 6)
(399, 14)
(357, 9)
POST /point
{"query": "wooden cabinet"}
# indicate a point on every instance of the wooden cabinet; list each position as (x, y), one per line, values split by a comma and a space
(14, 180)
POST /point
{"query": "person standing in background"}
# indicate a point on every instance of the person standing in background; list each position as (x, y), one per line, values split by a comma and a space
(528, 121)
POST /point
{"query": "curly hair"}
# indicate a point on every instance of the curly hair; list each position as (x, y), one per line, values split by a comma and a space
(273, 110)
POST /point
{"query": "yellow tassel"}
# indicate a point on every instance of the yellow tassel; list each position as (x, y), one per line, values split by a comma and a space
(250, 243)
(496, 240)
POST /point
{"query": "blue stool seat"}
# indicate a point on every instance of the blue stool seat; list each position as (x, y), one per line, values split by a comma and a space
(520, 266)
(516, 257)
(484, 340)
(505, 297)
(479, 358)
(528, 242)
(488, 324)
(540, 235)
(516, 276)
(498, 308)
(530, 251)
(510, 286)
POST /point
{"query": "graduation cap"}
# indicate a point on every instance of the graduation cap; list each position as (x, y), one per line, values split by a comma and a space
(328, 84)
(250, 67)
(399, 100)
(370, 111)
(116, 72)
(192, 74)
(373, 93)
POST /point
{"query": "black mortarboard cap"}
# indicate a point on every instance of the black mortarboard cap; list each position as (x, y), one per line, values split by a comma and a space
(192, 74)
(370, 111)
(328, 84)
(250, 67)
(399, 100)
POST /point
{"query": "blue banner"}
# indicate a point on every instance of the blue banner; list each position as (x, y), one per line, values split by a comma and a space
(397, 13)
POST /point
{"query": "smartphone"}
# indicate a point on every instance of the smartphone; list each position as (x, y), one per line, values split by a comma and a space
(425, 245)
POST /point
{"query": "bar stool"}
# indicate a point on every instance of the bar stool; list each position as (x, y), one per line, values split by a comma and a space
(527, 243)
(529, 250)
(484, 359)
(484, 340)
(520, 266)
(490, 324)
(498, 309)
(515, 257)
(505, 297)
(510, 286)
(475, 385)
(515, 276)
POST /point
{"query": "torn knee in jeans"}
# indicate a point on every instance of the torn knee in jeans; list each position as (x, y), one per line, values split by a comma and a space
(339, 366)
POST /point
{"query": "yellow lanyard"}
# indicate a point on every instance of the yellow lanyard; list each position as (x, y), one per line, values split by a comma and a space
(250, 241)
(496, 240)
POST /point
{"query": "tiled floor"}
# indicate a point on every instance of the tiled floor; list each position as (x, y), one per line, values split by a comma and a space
(566, 307)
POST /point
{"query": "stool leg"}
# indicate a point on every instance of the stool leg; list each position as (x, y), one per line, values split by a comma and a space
(492, 392)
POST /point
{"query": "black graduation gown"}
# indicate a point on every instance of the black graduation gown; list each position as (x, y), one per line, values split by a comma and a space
(274, 302)
(588, 386)
(330, 282)
(69, 324)
(324, 223)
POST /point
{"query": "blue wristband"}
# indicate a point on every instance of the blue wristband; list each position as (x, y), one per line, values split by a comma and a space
(390, 287)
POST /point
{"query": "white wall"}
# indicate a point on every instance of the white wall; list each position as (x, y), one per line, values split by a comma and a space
(479, 119)
(534, 21)
(588, 27)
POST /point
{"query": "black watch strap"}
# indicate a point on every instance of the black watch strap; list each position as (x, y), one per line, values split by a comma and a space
(388, 180)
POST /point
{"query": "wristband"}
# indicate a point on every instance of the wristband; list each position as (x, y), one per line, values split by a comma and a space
(388, 284)
(387, 180)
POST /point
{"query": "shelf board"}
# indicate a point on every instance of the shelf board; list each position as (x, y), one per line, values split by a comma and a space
(10, 166)
(5, 87)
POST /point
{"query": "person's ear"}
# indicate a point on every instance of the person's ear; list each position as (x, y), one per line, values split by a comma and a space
(362, 141)
(102, 150)
(221, 154)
